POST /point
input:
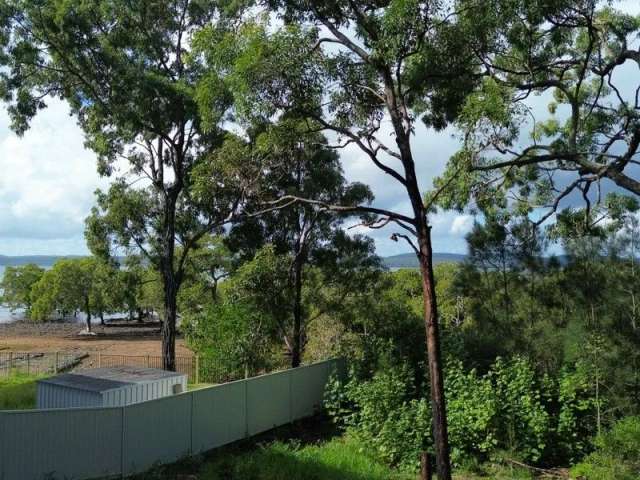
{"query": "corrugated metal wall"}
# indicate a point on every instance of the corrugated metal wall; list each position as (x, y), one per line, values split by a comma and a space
(58, 396)
(142, 392)
(98, 442)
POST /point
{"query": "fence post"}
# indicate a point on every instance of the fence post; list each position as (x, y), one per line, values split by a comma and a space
(197, 369)
(99, 360)
(291, 395)
(147, 361)
(246, 408)
(10, 362)
(122, 445)
(56, 367)
(28, 364)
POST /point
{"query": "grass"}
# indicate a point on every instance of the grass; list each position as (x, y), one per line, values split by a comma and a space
(18, 392)
(336, 459)
(307, 450)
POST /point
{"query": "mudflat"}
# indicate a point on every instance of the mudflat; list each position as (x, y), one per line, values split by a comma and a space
(117, 337)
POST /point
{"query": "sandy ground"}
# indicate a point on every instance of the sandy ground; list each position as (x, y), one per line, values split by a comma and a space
(117, 338)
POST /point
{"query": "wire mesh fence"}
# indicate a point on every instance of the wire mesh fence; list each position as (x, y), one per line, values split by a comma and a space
(197, 369)
(30, 363)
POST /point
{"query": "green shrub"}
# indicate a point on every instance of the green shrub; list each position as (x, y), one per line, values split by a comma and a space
(18, 392)
(576, 413)
(502, 410)
(617, 454)
(385, 414)
(522, 424)
(471, 409)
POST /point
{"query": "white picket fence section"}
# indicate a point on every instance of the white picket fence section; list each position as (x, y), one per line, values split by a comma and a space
(88, 443)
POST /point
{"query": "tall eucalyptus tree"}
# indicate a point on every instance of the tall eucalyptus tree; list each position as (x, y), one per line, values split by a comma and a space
(124, 69)
(352, 68)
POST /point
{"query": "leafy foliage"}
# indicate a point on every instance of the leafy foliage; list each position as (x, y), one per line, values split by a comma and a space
(617, 454)
(16, 285)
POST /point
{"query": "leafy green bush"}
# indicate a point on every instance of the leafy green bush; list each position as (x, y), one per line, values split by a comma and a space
(471, 409)
(617, 454)
(576, 412)
(501, 410)
(522, 423)
(231, 340)
(385, 414)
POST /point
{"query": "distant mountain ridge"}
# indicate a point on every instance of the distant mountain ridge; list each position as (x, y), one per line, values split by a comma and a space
(404, 260)
(42, 260)
(409, 260)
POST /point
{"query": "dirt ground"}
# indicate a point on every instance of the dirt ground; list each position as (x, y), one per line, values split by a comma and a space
(116, 338)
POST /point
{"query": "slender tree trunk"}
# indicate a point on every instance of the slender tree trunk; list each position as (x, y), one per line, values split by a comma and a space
(140, 313)
(170, 284)
(438, 404)
(102, 318)
(88, 315)
(296, 347)
(168, 332)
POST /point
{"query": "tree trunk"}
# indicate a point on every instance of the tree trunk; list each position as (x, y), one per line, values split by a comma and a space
(425, 466)
(296, 347)
(102, 318)
(88, 315)
(170, 283)
(438, 404)
(168, 332)
(140, 315)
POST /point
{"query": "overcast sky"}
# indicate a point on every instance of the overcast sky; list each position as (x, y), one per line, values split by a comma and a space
(48, 179)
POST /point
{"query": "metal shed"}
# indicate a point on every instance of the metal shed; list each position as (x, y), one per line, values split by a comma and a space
(108, 387)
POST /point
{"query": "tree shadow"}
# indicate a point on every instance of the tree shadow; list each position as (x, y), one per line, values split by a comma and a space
(279, 454)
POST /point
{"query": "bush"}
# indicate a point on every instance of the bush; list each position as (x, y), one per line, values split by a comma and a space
(617, 454)
(384, 414)
(503, 409)
(471, 409)
(230, 338)
(522, 424)
(18, 392)
(576, 413)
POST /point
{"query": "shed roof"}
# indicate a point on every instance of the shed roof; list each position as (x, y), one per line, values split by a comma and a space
(103, 379)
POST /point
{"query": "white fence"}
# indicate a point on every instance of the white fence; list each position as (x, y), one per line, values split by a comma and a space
(91, 443)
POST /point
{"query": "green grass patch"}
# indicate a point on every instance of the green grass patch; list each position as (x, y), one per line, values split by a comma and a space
(18, 392)
(337, 459)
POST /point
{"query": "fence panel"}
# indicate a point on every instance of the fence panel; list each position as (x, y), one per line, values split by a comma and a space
(307, 389)
(220, 415)
(263, 415)
(70, 443)
(155, 432)
(91, 443)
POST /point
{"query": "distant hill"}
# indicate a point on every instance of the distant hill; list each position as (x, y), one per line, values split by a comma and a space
(42, 260)
(409, 260)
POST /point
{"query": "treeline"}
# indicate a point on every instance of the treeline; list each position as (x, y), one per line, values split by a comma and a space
(542, 354)
(214, 115)
(87, 285)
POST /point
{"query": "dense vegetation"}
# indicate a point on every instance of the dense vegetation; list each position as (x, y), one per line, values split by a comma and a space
(541, 355)
(230, 116)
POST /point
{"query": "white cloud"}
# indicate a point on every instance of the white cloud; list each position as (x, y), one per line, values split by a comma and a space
(46, 184)
(461, 225)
